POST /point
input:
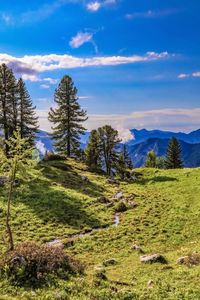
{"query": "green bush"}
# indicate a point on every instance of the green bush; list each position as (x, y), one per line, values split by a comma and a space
(30, 263)
(120, 207)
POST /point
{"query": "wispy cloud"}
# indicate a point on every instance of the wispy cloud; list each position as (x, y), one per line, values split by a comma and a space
(177, 119)
(94, 6)
(150, 14)
(80, 39)
(6, 18)
(45, 86)
(188, 75)
(32, 64)
(36, 78)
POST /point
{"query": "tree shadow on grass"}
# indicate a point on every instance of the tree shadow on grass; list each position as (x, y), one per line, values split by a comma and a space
(54, 206)
(156, 179)
(65, 175)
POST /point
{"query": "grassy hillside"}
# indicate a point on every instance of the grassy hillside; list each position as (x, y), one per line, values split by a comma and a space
(163, 217)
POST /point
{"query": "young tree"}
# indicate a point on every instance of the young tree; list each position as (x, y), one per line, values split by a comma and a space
(173, 158)
(27, 122)
(92, 152)
(18, 162)
(67, 118)
(160, 162)
(124, 163)
(8, 103)
(108, 144)
(150, 160)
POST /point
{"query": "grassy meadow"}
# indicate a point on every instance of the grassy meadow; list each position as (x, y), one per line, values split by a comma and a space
(164, 218)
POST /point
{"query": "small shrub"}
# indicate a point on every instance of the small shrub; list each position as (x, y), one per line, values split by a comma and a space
(99, 276)
(30, 264)
(120, 207)
(53, 156)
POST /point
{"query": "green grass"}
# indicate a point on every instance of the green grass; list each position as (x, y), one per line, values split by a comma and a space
(58, 203)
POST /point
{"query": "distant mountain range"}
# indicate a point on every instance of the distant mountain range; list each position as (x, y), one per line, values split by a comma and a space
(142, 142)
(143, 134)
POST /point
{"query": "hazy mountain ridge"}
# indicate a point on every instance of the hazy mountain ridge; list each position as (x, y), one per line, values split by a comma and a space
(190, 152)
(144, 141)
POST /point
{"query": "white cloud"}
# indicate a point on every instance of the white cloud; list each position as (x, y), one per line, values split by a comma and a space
(30, 64)
(80, 39)
(41, 147)
(177, 119)
(44, 86)
(124, 134)
(32, 78)
(150, 14)
(94, 6)
(196, 74)
(84, 97)
(35, 78)
(184, 75)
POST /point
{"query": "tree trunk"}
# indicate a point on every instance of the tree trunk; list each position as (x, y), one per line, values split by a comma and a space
(8, 227)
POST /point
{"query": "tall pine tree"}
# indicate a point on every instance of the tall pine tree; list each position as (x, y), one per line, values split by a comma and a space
(124, 163)
(27, 120)
(67, 118)
(108, 144)
(173, 158)
(92, 152)
(8, 104)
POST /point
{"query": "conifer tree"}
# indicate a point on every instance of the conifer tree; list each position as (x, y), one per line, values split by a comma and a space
(173, 158)
(108, 144)
(150, 160)
(67, 118)
(18, 162)
(8, 103)
(92, 152)
(124, 163)
(27, 121)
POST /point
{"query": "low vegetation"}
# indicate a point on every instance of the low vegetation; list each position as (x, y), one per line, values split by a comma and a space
(60, 206)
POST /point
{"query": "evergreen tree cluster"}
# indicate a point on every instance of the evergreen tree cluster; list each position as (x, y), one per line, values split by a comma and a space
(16, 110)
(102, 152)
(171, 161)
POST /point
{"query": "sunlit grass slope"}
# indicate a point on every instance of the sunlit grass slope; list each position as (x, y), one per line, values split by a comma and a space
(59, 203)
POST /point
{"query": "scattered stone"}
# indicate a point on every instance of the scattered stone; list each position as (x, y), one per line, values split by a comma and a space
(118, 196)
(3, 180)
(69, 243)
(112, 181)
(56, 243)
(103, 199)
(152, 258)
(189, 260)
(100, 273)
(181, 260)
(116, 220)
(137, 248)
(150, 284)
(110, 262)
(84, 178)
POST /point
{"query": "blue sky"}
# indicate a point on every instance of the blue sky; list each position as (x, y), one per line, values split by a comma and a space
(135, 63)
